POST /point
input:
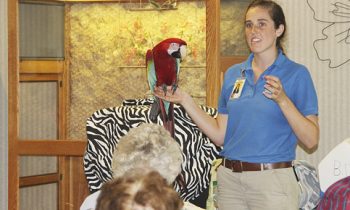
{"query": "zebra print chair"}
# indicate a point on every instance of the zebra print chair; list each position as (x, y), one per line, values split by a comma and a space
(106, 126)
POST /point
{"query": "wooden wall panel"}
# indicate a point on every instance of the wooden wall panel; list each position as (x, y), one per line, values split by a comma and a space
(38, 110)
(41, 30)
(39, 197)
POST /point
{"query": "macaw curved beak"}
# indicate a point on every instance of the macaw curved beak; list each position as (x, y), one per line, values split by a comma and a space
(180, 53)
(177, 51)
(183, 51)
(176, 54)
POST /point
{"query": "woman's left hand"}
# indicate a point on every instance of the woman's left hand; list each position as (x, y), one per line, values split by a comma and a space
(274, 89)
(306, 128)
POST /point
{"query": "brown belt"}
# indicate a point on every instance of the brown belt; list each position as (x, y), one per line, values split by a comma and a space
(239, 166)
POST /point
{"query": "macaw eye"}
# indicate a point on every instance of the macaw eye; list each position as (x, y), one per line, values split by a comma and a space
(173, 47)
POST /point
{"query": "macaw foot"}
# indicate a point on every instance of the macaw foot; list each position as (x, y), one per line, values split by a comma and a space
(164, 89)
(155, 110)
(174, 87)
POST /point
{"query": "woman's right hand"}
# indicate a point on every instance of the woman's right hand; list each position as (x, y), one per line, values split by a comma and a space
(178, 96)
(214, 128)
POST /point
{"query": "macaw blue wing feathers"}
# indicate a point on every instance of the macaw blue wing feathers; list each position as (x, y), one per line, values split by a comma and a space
(151, 72)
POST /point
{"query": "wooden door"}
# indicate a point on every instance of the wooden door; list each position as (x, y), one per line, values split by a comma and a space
(45, 168)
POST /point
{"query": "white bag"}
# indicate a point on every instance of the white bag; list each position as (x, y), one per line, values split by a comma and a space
(307, 178)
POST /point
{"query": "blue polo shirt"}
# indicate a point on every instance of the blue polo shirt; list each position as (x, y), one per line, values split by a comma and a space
(257, 130)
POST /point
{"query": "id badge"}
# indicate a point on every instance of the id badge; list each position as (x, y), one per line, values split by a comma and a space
(237, 88)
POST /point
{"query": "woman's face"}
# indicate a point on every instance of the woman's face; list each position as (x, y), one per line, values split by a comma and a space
(260, 31)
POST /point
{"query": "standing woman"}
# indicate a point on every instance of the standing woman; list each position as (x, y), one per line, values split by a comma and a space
(260, 125)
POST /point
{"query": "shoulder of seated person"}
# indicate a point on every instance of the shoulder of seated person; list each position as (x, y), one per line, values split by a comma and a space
(190, 206)
(90, 201)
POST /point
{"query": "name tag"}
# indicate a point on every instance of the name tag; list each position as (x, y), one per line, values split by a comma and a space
(237, 88)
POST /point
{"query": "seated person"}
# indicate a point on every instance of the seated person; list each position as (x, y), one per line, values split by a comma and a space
(337, 196)
(140, 189)
(146, 146)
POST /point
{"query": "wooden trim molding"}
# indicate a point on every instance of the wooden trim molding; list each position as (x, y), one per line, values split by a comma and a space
(93, 1)
(66, 195)
(212, 51)
(40, 77)
(39, 180)
(52, 147)
(41, 66)
(13, 171)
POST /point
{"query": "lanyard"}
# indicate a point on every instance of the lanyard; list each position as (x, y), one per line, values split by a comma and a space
(243, 73)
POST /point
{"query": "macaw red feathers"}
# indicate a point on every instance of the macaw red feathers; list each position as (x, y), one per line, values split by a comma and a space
(166, 56)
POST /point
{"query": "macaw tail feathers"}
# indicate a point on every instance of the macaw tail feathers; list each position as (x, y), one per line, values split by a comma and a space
(155, 110)
(168, 117)
(157, 107)
(166, 111)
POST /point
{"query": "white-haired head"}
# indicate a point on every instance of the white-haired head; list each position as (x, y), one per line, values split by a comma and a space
(151, 147)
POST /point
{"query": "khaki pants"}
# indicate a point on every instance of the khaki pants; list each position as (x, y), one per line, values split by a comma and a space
(257, 190)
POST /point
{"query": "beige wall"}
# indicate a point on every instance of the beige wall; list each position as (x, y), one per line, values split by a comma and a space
(3, 105)
(332, 84)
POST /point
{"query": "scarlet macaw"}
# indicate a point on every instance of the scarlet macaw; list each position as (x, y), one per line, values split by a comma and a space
(163, 67)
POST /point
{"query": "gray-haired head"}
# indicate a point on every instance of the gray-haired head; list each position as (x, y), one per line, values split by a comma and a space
(151, 147)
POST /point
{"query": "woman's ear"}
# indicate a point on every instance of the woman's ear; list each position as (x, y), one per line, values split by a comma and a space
(280, 30)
